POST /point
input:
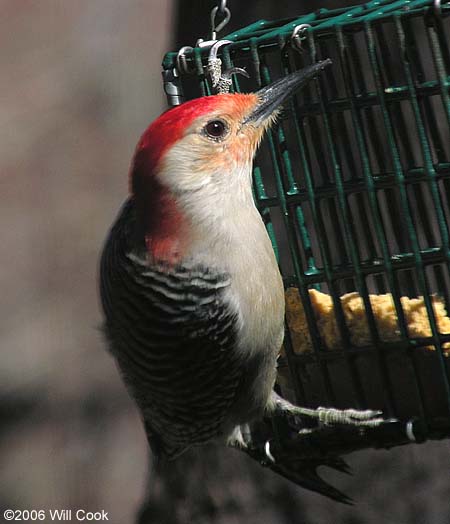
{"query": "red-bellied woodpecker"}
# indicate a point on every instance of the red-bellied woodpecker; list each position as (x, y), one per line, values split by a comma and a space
(190, 287)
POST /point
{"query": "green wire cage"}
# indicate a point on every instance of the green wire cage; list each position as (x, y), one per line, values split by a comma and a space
(354, 188)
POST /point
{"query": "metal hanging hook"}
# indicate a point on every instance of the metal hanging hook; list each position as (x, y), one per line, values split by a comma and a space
(222, 6)
(224, 12)
(215, 48)
(221, 81)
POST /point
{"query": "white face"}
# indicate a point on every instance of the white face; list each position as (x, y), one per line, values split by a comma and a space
(215, 150)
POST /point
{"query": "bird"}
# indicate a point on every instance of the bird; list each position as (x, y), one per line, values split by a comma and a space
(191, 291)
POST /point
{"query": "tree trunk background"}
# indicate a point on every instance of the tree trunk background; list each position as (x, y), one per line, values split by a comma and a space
(214, 485)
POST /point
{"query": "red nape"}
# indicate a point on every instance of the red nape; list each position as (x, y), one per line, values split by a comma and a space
(160, 222)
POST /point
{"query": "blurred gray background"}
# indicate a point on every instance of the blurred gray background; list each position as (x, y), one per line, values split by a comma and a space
(80, 82)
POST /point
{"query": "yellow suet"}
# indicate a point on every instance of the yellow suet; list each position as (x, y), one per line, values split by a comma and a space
(356, 320)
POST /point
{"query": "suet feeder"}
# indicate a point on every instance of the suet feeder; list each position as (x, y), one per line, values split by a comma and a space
(354, 188)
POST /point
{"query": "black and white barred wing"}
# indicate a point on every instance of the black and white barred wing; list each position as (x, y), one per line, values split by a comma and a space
(173, 335)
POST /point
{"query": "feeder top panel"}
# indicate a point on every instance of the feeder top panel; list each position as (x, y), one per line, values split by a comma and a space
(266, 33)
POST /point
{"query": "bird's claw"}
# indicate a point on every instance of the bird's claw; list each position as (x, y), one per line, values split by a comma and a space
(352, 417)
(221, 81)
(339, 417)
(270, 459)
(328, 416)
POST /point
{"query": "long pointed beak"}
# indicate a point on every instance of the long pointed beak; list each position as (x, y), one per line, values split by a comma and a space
(272, 96)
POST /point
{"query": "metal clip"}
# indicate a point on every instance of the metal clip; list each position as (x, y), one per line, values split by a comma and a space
(182, 65)
(172, 87)
(298, 35)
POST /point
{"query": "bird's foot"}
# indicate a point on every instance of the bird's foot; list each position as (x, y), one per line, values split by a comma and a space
(336, 417)
(261, 445)
(328, 416)
(221, 81)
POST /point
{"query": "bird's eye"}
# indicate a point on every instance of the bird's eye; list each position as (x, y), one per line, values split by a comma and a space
(216, 129)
